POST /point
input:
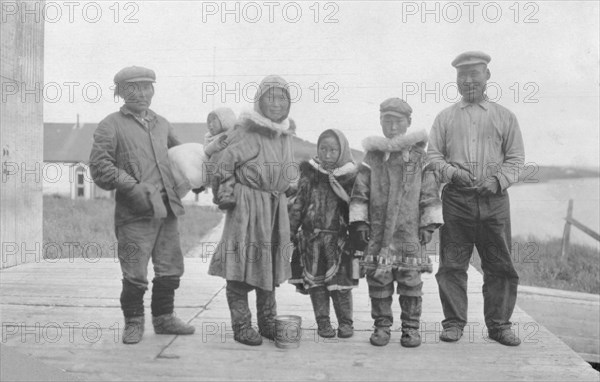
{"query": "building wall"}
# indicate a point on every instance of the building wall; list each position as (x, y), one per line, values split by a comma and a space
(71, 180)
(21, 136)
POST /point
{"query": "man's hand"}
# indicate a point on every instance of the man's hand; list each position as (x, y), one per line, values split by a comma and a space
(488, 186)
(462, 178)
(139, 197)
(425, 235)
(359, 235)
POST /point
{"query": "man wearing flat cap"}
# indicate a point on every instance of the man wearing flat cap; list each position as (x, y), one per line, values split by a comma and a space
(477, 149)
(129, 155)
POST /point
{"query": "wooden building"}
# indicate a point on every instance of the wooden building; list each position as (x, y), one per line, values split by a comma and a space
(21, 134)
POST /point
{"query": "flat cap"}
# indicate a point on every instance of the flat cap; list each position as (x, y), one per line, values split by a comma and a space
(471, 58)
(395, 106)
(135, 74)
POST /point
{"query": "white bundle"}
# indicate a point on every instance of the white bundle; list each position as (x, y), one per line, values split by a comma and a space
(187, 161)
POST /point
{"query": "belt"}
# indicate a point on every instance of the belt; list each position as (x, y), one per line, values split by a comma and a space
(458, 188)
(274, 194)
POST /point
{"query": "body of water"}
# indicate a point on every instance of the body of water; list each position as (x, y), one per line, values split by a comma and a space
(539, 209)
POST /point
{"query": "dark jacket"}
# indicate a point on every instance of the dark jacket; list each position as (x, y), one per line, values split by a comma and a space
(132, 159)
(324, 252)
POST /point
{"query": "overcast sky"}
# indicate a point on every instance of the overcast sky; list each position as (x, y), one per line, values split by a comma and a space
(342, 58)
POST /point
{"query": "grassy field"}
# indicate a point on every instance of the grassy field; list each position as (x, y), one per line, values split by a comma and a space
(538, 263)
(76, 228)
(85, 228)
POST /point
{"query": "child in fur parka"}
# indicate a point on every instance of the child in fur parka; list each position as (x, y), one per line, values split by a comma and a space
(395, 201)
(322, 263)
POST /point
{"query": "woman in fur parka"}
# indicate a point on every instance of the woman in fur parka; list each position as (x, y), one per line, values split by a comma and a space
(255, 249)
(322, 263)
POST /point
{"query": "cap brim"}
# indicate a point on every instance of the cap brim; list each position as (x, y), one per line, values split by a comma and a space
(394, 113)
(470, 62)
(141, 79)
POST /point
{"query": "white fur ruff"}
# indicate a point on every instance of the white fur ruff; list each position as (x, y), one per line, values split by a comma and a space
(398, 143)
(282, 127)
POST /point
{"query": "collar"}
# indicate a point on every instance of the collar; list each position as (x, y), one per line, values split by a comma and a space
(346, 169)
(150, 115)
(484, 103)
(282, 127)
(398, 143)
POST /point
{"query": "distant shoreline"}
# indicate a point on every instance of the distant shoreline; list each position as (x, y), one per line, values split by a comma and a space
(544, 174)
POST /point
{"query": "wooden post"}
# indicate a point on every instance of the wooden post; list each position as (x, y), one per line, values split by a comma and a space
(567, 232)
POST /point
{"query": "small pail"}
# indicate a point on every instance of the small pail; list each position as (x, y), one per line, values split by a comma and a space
(289, 331)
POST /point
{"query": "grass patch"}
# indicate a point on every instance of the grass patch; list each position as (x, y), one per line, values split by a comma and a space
(538, 263)
(85, 228)
(196, 222)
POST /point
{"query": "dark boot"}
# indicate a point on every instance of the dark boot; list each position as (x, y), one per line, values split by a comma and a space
(163, 296)
(342, 303)
(266, 310)
(381, 312)
(320, 301)
(132, 304)
(241, 318)
(411, 315)
(132, 300)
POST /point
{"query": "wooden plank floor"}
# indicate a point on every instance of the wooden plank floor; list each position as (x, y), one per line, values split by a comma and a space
(66, 314)
(577, 325)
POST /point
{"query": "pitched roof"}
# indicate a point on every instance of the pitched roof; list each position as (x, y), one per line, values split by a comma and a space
(66, 142)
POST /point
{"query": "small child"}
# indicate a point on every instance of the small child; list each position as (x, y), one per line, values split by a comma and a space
(219, 121)
(395, 201)
(194, 165)
(323, 260)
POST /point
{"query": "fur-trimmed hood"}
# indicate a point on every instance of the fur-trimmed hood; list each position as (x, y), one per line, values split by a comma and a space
(269, 83)
(255, 122)
(398, 143)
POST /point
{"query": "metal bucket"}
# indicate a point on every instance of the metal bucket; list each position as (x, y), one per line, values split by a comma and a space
(289, 331)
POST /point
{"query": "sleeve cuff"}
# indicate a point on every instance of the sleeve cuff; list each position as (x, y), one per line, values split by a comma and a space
(432, 216)
(503, 184)
(359, 211)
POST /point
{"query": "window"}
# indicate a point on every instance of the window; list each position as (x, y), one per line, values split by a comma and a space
(80, 185)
